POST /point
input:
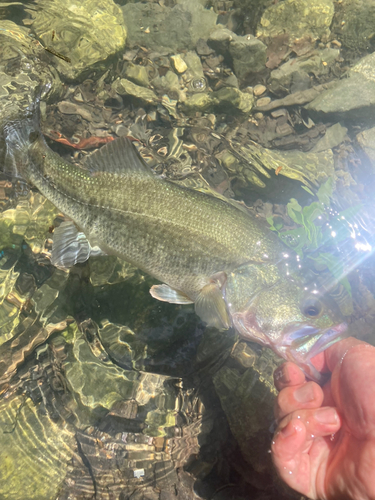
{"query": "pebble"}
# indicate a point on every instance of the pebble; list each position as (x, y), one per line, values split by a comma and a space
(178, 63)
(78, 97)
(263, 101)
(259, 90)
(279, 112)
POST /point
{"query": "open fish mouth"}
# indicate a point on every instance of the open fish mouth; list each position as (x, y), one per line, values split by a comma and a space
(301, 343)
(298, 343)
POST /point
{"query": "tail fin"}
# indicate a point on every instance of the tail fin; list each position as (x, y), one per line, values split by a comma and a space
(18, 134)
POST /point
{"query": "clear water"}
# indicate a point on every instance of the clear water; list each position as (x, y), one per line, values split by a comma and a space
(105, 392)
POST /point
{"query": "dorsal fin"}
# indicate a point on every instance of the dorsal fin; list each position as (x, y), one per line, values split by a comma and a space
(118, 157)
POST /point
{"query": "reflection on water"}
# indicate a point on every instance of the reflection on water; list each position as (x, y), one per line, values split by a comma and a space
(105, 392)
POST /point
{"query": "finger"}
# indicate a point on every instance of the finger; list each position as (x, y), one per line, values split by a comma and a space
(305, 396)
(328, 399)
(292, 442)
(318, 422)
(288, 374)
(352, 385)
(336, 352)
(288, 456)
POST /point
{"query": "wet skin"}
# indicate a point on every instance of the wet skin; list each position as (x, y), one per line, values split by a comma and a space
(324, 446)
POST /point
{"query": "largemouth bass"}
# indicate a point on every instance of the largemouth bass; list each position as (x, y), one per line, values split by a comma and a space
(205, 250)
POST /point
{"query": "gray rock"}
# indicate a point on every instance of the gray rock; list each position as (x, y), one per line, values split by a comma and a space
(298, 18)
(252, 11)
(21, 73)
(137, 74)
(168, 29)
(125, 87)
(193, 62)
(355, 25)
(352, 98)
(87, 32)
(365, 67)
(240, 385)
(220, 39)
(230, 99)
(225, 100)
(169, 84)
(23, 461)
(293, 70)
(366, 140)
(333, 137)
(249, 55)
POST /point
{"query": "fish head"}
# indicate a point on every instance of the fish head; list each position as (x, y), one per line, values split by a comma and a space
(296, 321)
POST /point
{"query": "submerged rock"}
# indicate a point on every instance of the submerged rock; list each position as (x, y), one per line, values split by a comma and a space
(220, 40)
(251, 11)
(317, 63)
(87, 33)
(334, 136)
(137, 74)
(162, 28)
(169, 84)
(125, 87)
(351, 98)
(298, 18)
(225, 100)
(248, 54)
(355, 24)
(178, 63)
(254, 164)
(97, 383)
(21, 73)
(34, 453)
(366, 140)
(245, 380)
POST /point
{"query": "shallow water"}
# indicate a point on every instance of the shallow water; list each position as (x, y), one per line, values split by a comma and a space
(105, 392)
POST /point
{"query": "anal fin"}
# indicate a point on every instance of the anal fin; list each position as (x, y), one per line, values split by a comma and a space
(167, 294)
(211, 307)
(70, 246)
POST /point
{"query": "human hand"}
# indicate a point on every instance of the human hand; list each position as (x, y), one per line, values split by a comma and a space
(324, 446)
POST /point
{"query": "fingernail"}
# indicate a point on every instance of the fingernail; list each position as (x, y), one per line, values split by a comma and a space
(287, 431)
(304, 394)
(281, 375)
(326, 416)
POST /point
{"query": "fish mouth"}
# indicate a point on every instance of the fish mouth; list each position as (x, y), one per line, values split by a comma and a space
(308, 341)
(301, 343)
(298, 343)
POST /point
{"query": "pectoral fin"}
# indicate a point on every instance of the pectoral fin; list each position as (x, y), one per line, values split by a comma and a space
(211, 307)
(167, 294)
(70, 246)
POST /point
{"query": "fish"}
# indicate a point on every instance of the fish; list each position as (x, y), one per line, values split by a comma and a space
(202, 248)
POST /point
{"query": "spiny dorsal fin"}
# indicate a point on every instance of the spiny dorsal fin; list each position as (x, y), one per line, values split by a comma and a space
(118, 157)
(203, 187)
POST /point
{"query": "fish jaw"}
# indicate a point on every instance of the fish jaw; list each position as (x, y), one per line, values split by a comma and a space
(301, 343)
(298, 343)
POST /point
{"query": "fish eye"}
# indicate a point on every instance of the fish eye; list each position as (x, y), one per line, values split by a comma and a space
(312, 308)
